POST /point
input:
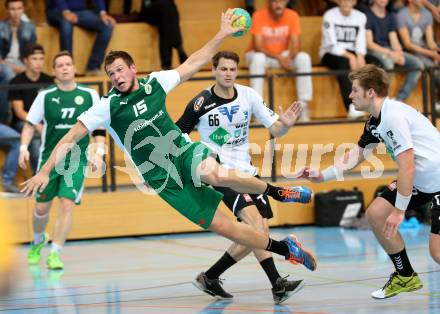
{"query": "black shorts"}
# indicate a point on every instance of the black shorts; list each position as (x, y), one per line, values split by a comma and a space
(418, 199)
(237, 201)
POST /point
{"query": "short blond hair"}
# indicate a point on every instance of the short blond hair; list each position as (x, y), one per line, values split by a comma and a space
(371, 76)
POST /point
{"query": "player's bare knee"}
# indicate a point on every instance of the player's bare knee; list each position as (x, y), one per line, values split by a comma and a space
(223, 178)
(435, 254)
(252, 216)
(216, 178)
(42, 209)
(66, 206)
(238, 251)
(371, 213)
(220, 228)
(378, 211)
(209, 171)
(259, 225)
(265, 229)
(220, 225)
(434, 246)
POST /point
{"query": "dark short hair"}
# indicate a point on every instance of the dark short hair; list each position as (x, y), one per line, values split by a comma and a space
(117, 54)
(371, 76)
(9, 1)
(31, 49)
(225, 55)
(61, 54)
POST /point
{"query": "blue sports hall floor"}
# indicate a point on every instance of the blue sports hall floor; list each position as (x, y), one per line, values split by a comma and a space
(153, 275)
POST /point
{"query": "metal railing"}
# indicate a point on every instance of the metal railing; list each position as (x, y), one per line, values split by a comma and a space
(38, 86)
(428, 99)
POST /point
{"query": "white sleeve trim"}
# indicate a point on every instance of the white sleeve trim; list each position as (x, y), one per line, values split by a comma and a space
(97, 116)
(36, 112)
(167, 79)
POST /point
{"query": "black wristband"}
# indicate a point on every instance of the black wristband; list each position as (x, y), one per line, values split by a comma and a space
(99, 132)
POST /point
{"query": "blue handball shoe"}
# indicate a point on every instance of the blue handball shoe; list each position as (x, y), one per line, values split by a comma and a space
(295, 194)
(298, 255)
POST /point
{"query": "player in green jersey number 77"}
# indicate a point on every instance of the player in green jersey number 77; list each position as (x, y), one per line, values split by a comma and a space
(59, 106)
(134, 113)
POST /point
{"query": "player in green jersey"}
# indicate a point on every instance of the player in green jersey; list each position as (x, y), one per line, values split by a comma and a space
(59, 106)
(134, 113)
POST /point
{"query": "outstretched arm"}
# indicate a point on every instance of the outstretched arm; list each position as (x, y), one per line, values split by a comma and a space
(286, 119)
(348, 161)
(204, 54)
(40, 180)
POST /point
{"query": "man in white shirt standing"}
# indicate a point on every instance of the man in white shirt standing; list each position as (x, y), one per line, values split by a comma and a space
(343, 46)
(414, 143)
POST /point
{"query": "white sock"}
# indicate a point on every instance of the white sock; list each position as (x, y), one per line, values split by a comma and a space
(56, 248)
(40, 216)
(38, 237)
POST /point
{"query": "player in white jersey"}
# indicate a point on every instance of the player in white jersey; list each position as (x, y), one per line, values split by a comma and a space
(135, 114)
(414, 143)
(58, 106)
(222, 114)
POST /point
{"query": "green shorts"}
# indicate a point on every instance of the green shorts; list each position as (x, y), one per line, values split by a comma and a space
(196, 201)
(66, 186)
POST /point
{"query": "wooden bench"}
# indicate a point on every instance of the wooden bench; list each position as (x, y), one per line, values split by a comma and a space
(327, 100)
(140, 40)
(131, 213)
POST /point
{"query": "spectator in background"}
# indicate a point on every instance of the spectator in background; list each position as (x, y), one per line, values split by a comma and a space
(64, 14)
(11, 139)
(383, 43)
(434, 7)
(344, 46)
(362, 5)
(164, 15)
(249, 5)
(276, 44)
(393, 6)
(22, 99)
(415, 25)
(15, 34)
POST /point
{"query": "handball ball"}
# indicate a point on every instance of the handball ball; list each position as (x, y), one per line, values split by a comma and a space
(244, 20)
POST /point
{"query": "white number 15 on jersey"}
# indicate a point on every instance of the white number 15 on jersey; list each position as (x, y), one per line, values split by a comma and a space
(140, 108)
